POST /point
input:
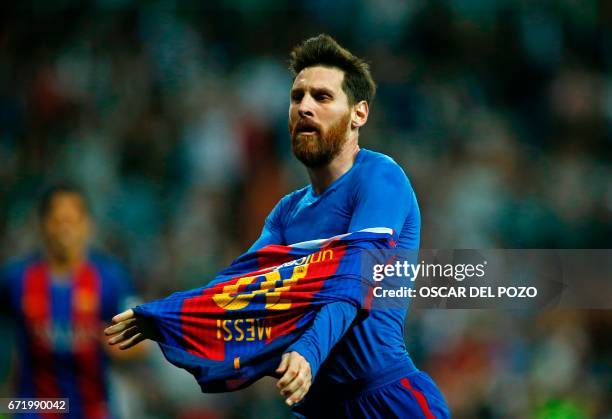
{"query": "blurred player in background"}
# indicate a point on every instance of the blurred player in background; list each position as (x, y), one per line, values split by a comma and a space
(358, 367)
(59, 299)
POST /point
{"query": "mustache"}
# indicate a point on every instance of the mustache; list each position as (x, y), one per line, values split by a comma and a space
(306, 125)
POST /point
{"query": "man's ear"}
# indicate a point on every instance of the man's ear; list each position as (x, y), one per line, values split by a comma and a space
(359, 116)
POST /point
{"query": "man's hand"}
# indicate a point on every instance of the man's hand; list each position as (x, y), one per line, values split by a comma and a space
(128, 330)
(296, 377)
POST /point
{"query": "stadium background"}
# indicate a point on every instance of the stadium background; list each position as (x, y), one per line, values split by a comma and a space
(173, 117)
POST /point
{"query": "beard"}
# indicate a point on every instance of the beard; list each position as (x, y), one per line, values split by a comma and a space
(320, 148)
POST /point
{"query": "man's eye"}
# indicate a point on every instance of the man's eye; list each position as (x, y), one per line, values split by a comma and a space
(322, 96)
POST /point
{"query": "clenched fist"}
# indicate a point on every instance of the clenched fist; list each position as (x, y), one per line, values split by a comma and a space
(296, 377)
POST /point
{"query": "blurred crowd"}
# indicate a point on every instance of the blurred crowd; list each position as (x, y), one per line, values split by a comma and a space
(173, 118)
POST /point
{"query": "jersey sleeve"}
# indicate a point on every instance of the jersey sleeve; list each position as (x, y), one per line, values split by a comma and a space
(330, 324)
(384, 198)
(272, 232)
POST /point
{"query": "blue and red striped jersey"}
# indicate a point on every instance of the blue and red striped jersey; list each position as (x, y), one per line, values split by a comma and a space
(59, 329)
(234, 330)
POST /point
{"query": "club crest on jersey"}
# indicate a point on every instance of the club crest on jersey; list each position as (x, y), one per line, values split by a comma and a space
(237, 296)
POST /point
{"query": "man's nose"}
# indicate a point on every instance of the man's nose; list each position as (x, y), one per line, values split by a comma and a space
(305, 108)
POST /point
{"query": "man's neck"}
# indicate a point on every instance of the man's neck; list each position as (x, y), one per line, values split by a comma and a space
(322, 177)
(65, 264)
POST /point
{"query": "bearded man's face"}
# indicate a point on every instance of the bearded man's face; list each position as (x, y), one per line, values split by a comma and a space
(319, 115)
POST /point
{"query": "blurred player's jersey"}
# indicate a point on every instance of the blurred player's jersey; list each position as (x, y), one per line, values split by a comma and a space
(375, 192)
(59, 325)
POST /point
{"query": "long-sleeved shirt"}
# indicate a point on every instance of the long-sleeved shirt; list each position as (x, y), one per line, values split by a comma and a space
(340, 347)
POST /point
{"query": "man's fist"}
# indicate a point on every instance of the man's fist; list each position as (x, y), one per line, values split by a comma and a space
(296, 377)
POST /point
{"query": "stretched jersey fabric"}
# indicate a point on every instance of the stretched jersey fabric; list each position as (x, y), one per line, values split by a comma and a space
(234, 330)
(59, 324)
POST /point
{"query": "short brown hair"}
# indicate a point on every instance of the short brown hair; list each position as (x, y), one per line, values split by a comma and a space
(323, 50)
(61, 187)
